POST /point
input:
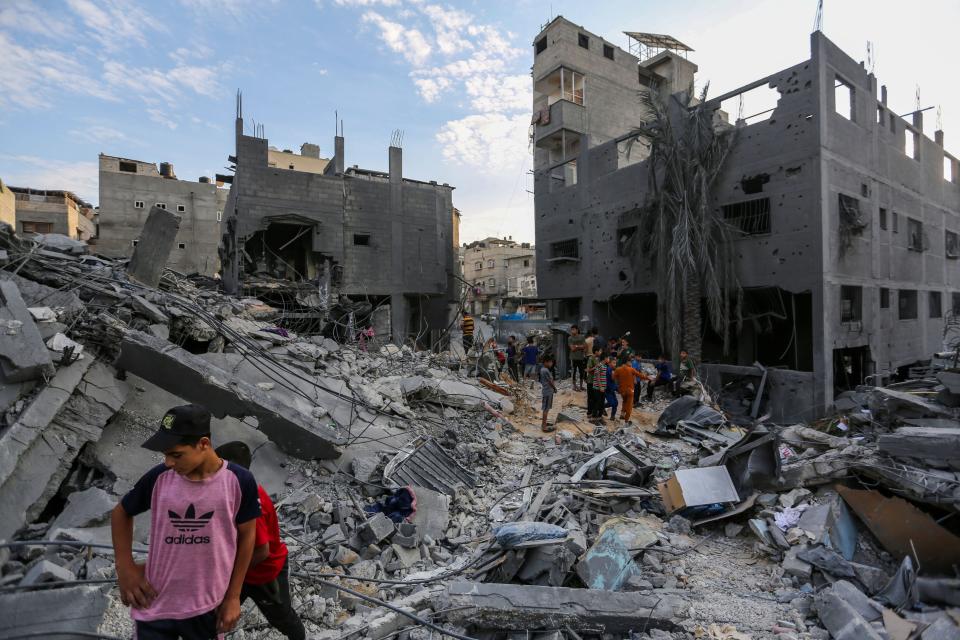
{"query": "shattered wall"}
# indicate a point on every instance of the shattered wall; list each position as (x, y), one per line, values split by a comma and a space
(383, 234)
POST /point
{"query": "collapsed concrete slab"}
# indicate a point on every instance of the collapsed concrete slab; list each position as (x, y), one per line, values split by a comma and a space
(931, 443)
(54, 613)
(196, 380)
(513, 606)
(150, 258)
(23, 355)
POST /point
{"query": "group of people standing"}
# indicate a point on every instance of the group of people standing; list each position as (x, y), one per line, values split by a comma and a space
(608, 369)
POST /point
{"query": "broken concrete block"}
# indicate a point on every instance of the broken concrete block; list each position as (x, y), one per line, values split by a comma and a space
(85, 508)
(842, 620)
(794, 566)
(196, 380)
(150, 257)
(432, 514)
(407, 535)
(54, 612)
(23, 355)
(936, 443)
(608, 564)
(941, 629)
(378, 527)
(512, 606)
(148, 309)
(46, 571)
(406, 556)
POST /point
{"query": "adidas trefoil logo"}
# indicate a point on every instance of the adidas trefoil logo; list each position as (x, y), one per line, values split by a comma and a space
(189, 521)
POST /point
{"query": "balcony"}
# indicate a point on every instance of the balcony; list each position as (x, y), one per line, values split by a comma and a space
(563, 115)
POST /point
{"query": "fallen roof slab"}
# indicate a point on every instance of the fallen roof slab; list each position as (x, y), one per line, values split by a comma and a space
(514, 606)
(66, 612)
(23, 355)
(196, 380)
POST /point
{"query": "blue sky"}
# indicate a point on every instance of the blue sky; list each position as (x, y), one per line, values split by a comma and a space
(156, 81)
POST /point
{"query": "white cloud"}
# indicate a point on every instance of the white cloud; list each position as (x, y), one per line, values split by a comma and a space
(32, 77)
(488, 142)
(449, 26)
(161, 118)
(431, 88)
(113, 23)
(365, 3)
(410, 43)
(42, 173)
(183, 55)
(492, 93)
(25, 15)
(99, 134)
(154, 85)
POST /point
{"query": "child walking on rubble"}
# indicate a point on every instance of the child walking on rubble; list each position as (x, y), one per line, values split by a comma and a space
(547, 389)
(203, 513)
(267, 580)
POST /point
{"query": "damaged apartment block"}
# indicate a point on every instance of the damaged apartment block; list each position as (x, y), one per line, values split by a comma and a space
(845, 214)
(324, 234)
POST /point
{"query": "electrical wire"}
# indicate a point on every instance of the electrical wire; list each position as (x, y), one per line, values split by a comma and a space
(47, 634)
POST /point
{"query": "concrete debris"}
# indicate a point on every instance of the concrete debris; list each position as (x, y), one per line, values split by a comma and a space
(393, 463)
(150, 258)
(23, 356)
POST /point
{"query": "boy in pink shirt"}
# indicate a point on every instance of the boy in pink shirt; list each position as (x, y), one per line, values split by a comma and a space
(202, 532)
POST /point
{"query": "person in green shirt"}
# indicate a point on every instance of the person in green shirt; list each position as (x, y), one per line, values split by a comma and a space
(688, 371)
(625, 354)
(578, 357)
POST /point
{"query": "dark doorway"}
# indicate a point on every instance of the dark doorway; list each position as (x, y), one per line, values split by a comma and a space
(283, 251)
(850, 367)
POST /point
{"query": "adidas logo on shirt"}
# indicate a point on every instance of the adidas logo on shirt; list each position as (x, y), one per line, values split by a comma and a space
(186, 524)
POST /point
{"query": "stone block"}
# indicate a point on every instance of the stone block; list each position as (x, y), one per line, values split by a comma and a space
(85, 508)
(23, 355)
(46, 571)
(55, 612)
(379, 527)
(150, 256)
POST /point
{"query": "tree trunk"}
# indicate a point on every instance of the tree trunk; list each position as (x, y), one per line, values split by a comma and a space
(692, 322)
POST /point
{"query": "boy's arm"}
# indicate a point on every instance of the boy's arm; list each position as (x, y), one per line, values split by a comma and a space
(135, 591)
(229, 610)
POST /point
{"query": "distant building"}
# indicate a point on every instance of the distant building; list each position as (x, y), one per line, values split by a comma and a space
(52, 211)
(301, 238)
(129, 188)
(308, 161)
(8, 205)
(490, 266)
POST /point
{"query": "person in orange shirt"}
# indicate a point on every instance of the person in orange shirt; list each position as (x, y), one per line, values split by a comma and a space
(626, 378)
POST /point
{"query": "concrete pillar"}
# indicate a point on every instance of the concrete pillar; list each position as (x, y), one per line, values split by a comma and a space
(399, 312)
(918, 120)
(338, 161)
(883, 94)
(938, 137)
(396, 164)
(153, 249)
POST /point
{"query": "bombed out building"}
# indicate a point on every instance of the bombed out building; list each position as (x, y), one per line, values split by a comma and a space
(306, 239)
(847, 213)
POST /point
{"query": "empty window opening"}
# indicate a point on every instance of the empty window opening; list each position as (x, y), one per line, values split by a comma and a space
(162, 205)
(283, 251)
(955, 303)
(880, 115)
(911, 144)
(181, 245)
(951, 248)
(492, 283)
(36, 227)
(851, 224)
(896, 222)
(754, 184)
(564, 175)
(526, 263)
(290, 167)
(136, 242)
(181, 208)
(138, 204)
(625, 240)
(851, 304)
(565, 250)
(884, 298)
(361, 239)
(540, 46)
(914, 235)
(864, 190)
(750, 217)
(583, 41)
(608, 51)
(562, 84)
(128, 167)
(883, 218)
(750, 107)
(491, 264)
(948, 169)
(907, 304)
(558, 146)
(935, 304)
(843, 95)
(477, 266)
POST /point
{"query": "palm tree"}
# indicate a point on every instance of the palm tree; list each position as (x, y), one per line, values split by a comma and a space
(685, 238)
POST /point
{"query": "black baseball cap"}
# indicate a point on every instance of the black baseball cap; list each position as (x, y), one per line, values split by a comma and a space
(189, 420)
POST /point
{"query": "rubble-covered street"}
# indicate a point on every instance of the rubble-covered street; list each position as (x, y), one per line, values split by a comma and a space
(418, 503)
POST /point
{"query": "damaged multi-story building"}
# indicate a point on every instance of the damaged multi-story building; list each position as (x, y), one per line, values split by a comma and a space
(128, 190)
(306, 239)
(847, 213)
(53, 211)
(501, 272)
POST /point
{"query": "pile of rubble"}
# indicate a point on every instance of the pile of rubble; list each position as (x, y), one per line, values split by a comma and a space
(416, 500)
